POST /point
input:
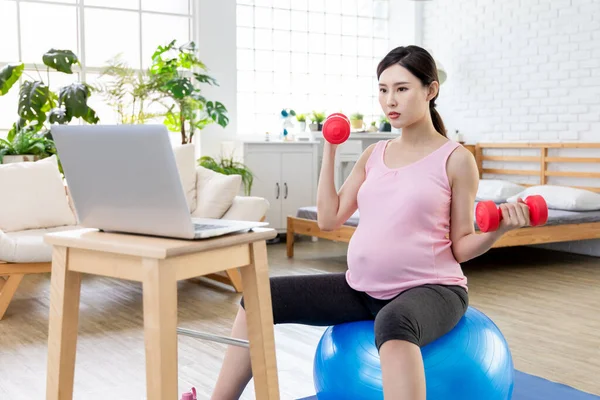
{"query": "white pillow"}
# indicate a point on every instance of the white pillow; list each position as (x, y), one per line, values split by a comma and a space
(215, 192)
(563, 197)
(497, 190)
(185, 158)
(33, 196)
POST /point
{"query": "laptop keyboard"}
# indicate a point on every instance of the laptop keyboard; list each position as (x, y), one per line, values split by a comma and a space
(203, 227)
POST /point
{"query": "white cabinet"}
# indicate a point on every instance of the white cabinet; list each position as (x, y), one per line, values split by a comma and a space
(285, 174)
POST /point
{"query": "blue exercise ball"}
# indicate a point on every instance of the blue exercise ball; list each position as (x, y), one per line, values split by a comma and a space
(471, 362)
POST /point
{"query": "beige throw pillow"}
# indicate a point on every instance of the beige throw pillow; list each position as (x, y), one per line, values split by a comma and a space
(33, 196)
(215, 192)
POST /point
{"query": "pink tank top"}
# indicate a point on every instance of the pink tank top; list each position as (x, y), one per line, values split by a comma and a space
(402, 239)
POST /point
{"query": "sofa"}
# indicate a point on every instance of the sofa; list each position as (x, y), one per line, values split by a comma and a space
(35, 201)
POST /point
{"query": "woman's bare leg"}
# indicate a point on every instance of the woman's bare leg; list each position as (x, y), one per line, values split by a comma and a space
(402, 370)
(236, 371)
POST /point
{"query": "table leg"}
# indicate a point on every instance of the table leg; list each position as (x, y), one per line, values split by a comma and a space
(257, 299)
(65, 288)
(160, 329)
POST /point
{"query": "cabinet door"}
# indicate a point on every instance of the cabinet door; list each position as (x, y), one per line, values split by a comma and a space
(266, 167)
(298, 177)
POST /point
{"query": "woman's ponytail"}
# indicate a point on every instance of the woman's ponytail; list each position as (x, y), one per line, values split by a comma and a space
(436, 118)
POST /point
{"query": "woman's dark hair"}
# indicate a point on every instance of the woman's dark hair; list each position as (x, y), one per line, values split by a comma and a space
(422, 65)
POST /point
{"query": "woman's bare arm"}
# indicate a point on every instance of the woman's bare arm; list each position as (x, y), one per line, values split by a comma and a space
(333, 208)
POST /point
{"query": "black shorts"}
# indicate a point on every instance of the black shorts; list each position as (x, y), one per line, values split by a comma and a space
(419, 315)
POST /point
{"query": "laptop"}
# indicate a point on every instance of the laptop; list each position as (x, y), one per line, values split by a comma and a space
(123, 178)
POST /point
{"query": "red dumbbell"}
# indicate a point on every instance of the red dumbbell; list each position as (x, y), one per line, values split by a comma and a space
(336, 128)
(488, 215)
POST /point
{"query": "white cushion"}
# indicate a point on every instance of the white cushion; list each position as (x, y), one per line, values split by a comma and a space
(33, 196)
(28, 246)
(563, 197)
(185, 158)
(247, 208)
(497, 190)
(214, 192)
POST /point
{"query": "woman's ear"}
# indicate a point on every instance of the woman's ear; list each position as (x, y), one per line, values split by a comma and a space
(433, 90)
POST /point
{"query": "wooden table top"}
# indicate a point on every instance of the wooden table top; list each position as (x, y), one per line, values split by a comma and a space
(150, 246)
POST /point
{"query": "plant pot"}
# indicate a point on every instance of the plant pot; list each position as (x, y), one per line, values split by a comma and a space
(315, 127)
(19, 158)
(302, 126)
(357, 124)
(385, 127)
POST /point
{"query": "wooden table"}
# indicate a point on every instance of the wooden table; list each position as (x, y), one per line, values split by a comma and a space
(158, 263)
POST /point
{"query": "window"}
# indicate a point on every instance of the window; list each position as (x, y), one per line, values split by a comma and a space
(308, 55)
(96, 30)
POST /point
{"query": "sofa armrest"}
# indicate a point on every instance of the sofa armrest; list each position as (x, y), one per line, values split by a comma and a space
(247, 208)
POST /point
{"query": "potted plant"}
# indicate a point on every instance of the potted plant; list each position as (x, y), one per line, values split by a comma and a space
(356, 120)
(228, 166)
(384, 124)
(25, 145)
(373, 127)
(173, 74)
(301, 118)
(39, 107)
(317, 119)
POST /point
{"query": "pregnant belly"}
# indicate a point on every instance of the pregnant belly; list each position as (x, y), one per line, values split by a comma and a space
(385, 257)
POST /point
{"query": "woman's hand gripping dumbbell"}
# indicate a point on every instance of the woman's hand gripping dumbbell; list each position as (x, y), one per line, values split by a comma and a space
(336, 128)
(533, 211)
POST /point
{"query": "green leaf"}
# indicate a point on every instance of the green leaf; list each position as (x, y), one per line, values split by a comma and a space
(206, 79)
(57, 116)
(173, 121)
(33, 98)
(198, 98)
(74, 98)
(218, 113)
(188, 46)
(12, 133)
(160, 50)
(180, 88)
(60, 60)
(4, 143)
(201, 124)
(10, 74)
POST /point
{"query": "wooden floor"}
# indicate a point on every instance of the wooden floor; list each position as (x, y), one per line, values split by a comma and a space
(547, 304)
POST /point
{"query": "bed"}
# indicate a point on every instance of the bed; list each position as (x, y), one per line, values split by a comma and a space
(497, 160)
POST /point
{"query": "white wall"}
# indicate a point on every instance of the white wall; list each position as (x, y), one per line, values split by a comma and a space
(216, 39)
(519, 70)
(405, 26)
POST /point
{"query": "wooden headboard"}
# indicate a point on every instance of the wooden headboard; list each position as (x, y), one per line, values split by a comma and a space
(540, 160)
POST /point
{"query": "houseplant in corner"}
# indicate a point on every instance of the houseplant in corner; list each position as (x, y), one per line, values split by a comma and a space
(174, 73)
